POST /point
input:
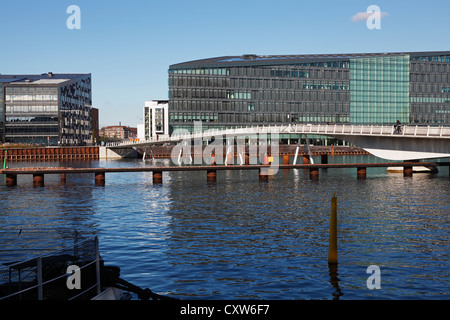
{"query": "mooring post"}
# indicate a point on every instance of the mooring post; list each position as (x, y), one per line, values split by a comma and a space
(332, 246)
(63, 178)
(286, 159)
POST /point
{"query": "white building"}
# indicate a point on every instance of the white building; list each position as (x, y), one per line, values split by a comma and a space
(156, 118)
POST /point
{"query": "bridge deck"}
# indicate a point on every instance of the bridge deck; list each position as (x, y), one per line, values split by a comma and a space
(416, 131)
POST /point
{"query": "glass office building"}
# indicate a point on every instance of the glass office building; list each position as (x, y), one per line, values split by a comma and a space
(374, 88)
(49, 109)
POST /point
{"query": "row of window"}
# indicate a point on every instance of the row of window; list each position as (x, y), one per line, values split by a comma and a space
(30, 130)
(260, 95)
(13, 109)
(443, 58)
(30, 97)
(430, 99)
(237, 118)
(31, 119)
(251, 83)
(282, 107)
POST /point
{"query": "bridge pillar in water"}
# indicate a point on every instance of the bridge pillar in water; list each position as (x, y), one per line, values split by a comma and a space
(157, 177)
(99, 178)
(211, 175)
(361, 173)
(38, 179)
(11, 180)
(63, 178)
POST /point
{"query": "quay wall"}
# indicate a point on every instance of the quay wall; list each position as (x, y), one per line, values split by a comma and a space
(49, 154)
(158, 152)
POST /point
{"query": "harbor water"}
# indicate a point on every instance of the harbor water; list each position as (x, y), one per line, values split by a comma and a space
(242, 238)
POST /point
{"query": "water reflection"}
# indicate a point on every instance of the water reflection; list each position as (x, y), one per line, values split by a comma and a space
(240, 238)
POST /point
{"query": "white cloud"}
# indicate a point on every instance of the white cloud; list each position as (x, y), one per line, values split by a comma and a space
(363, 16)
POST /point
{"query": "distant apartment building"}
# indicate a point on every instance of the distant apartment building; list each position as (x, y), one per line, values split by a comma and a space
(118, 132)
(156, 118)
(50, 108)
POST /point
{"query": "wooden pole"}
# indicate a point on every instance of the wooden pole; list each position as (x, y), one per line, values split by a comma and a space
(332, 248)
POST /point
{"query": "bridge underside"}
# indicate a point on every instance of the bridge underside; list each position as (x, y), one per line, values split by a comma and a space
(401, 148)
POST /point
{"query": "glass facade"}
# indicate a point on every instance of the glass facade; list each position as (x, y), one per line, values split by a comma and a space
(356, 88)
(247, 95)
(47, 109)
(379, 90)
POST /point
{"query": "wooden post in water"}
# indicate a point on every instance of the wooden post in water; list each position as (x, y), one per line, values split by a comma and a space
(11, 180)
(408, 171)
(361, 173)
(38, 179)
(99, 178)
(314, 173)
(332, 246)
(157, 177)
(63, 178)
(211, 175)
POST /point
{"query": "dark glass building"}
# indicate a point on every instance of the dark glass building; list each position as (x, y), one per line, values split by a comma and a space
(46, 109)
(374, 88)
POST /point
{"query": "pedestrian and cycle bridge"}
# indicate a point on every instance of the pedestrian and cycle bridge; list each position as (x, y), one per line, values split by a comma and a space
(412, 142)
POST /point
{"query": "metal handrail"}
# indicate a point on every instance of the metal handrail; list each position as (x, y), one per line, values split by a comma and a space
(40, 284)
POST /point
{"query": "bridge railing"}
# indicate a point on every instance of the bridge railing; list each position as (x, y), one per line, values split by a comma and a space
(322, 129)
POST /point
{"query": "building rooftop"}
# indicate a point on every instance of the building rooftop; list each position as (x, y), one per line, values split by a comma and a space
(48, 78)
(253, 59)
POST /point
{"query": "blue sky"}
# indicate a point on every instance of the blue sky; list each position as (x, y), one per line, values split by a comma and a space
(128, 46)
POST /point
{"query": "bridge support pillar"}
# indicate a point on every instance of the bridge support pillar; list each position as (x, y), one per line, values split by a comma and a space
(361, 173)
(38, 179)
(99, 178)
(314, 173)
(11, 180)
(157, 177)
(211, 175)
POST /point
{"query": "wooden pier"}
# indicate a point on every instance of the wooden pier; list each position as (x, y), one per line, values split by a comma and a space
(265, 170)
